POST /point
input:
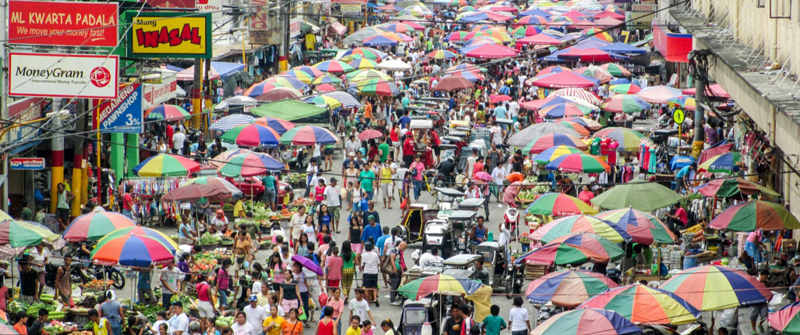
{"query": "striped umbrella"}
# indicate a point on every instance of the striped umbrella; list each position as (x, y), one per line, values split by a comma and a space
(95, 225)
(574, 249)
(629, 140)
(300, 75)
(364, 52)
(714, 287)
(333, 66)
(227, 122)
(645, 305)
(327, 78)
(166, 112)
(309, 70)
(625, 103)
(576, 126)
(580, 224)
(727, 162)
(252, 135)
(577, 93)
(442, 284)
(166, 165)
(641, 226)
(359, 63)
(18, 233)
(616, 70)
(396, 27)
(586, 322)
(134, 246)
(786, 319)
(557, 111)
(527, 30)
(441, 54)
(347, 100)
(567, 288)
(559, 204)
(554, 152)
(375, 87)
(278, 125)
(247, 163)
(265, 86)
(325, 102)
(367, 74)
(547, 141)
(625, 88)
(458, 36)
(308, 135)
(753, 215)
(578, 163)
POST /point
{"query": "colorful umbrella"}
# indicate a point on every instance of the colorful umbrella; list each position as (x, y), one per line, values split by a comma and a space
(309, 264)
(198, 191)
(491, 51)
(443, 284)
(308, 135)
(685, 102)
(567, 288)
(573, 250)
(540, 39)
(497, 98)
(369, 134)
(312, 72)
(616, 70)
(624, 103)
(300, 75)
(645, 305)
(559, 204)
(592, 71)
(587, 123)
(578, 163)
(577, 93)
(727, 162)
(586, 322)
(457, 36)
(713, 287)
(726, 188)
(333, 66)
(379, 40)
(220, 186)
(166, 165)
(785, 320)
(557, 111)
(325, 101)
(598, 33)
(375, 87)
(527, 30)
(533, 132)
(359, 63)
(577, 127)
(580, 224)
(95, 225)
(368, 74)
(252, 135)
(757, 214)
(547, 141)
(364, 52)
(629, 140)
(279, 93)
(637, 194)
(554, 152)
(642, 227)
(658, 94)
(278, 125)
(18, 233)
(347, 100)
(396, 27)
(166, 112)
(563, 79)
(452, 83)
(324, 88)
(247, 163)
(625, 88)
(265, 86)
(441, 54)
(587, 55)
(227, 122)
(553, 69)
(134, 246)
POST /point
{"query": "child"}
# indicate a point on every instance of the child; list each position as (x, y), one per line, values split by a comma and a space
(354, 328)
(366, 328)
(494, 323)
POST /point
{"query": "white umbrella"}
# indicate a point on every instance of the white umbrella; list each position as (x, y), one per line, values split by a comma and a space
(347, 100)
(394, 65)
(238, 100)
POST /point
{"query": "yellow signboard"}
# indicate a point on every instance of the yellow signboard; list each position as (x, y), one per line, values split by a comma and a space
(171, 34)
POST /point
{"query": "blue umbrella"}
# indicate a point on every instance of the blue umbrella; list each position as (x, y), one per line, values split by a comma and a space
(679, 161)
(229, 122)
(379, 41)
(474, 18)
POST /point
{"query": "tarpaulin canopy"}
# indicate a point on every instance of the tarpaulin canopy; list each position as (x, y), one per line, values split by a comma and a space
(564, 79)
(218, 70)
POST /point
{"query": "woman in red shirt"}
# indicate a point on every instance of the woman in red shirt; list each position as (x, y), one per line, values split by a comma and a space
(326, 324)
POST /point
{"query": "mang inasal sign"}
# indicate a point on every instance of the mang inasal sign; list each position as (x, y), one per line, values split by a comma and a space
(170, 34)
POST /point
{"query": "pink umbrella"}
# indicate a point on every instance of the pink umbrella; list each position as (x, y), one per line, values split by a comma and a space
(495, 98)
(713, 90)
(587, 55)
(578, 93)
(369, 134)
(563, 79)
(492, 51)
(607, 22)
(610, 14)
(279, 93)
(659, 94)
(482, 175)
(539, 39)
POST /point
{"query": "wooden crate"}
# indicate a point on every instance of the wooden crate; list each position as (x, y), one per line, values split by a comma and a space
(534, 271)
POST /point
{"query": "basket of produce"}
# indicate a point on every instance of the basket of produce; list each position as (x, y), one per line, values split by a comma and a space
(97, 285)
(296, 179)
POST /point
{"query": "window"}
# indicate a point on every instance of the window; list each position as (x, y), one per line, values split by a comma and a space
(780, 9)
(761, 3)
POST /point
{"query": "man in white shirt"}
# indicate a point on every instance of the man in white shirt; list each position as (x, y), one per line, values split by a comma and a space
(254, 313)
(179, 322)
(360, 307)
(178, 139)
(171, 279)
(431, 259)
(518, 319)
(499, 174)
(333, 199)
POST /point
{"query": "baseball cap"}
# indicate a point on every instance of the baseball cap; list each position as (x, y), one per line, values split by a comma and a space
(253, 298)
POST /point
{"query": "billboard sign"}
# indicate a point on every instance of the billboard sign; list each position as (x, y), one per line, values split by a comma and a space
(123, 114)
(170, 34)
(156, 94)
(84, 24)
(27, 163)
(62, 75)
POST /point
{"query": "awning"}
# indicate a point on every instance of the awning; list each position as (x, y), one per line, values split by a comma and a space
(218, 70)
(337, 27)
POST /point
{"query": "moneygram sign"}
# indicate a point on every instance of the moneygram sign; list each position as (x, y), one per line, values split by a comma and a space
(62, 76)
(170, 34)
(63, 23)
(123, 114)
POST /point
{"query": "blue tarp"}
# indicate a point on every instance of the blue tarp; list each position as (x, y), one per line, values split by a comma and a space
(622, 48)
(474, 18)
(679, 161)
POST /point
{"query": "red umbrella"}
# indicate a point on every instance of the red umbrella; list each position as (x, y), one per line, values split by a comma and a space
(713, 152)
(539, 39)
(610, 14)
(325, 88)
(587, 55)
(279, 93)
(452, 83)
(563, 79)
(495, 98)
(492, 51)
(369, 134)
(607, 22)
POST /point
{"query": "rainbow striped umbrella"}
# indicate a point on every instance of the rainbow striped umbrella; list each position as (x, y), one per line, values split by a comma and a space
(166, 165)
(18, 233)
(625, 88)
(727, 162)
(252, 135)
(559, 204)
(359, 63)
(300, 75)
(333, 66)
(566, 109)
(552, 153)
(786, 320)
(441, 54)
(616, 70)
(547, 141)
(375, 87)
(641, 226)
(573, 250)
(309, 70)
(625, 103)
(327, 78)
(364, 52)
(527, 30)
(714, 287)
(396, 27)
(278, 125)
(576, 126)
(684, 101)
(95, 225)
(308, 135)
(753, 215)
(274, 82)
(247, 163)
(586, 322)
(629, 140)
(532, 20)
(473, 290)
(645, 305)
(134, 246)
(598, 33)
(567, 288)
(578, 163)
(325, 102)
(364, 75)
(166, 112)
(580, 224)
(458, 36)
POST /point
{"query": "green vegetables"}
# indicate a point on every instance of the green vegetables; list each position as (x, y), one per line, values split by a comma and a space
(208, 239)
(224, 321)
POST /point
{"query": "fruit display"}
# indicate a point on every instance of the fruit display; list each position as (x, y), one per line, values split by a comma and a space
(527, 196)
(208, 239)
(97, 285)
(58, 327)
(224, 322)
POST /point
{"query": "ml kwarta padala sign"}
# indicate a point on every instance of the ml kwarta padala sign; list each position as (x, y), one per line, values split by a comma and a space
(170, 34)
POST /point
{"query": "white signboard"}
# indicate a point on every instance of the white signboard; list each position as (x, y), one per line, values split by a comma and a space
(63, 76)
(155, 94)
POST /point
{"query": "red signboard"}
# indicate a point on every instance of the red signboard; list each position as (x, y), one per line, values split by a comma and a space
(673, 46)
(91, 24)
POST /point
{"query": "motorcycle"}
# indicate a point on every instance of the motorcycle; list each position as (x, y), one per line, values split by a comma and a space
(511, 218)
(84, 272)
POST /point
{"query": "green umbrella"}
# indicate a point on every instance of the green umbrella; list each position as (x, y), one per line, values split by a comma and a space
(24, 233)
(289, 110)
(637, 194)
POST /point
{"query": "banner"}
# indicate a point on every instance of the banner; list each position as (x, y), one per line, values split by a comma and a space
(82, 24)
(155, 94)
(123, 114)
(179, 4)
(62, 76)
(170, 34)
(27, 163)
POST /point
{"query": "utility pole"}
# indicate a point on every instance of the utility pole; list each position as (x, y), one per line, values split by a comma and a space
(197, 94)
(698, 63)
(77, 164)
(4, 93)
(283, 60)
